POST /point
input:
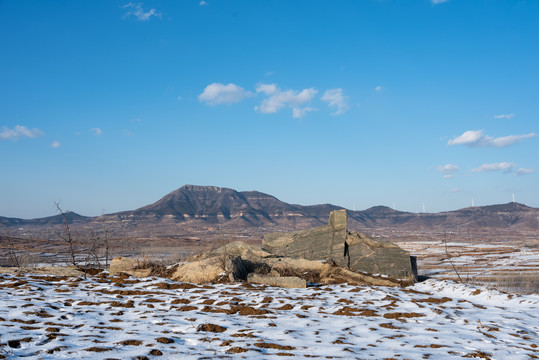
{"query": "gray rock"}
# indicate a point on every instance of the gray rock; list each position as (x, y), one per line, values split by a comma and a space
(336, 245)
(281, 281)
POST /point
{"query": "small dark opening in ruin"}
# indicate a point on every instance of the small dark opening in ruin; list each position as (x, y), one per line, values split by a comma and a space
(347, 254)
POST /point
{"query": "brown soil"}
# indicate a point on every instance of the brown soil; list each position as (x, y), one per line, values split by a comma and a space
(131, 342)
(274, 346)
(399, 315)
(180, 301)
(432, 300)
(164, 340)
(168, 286)
(211, 328)
(350, 311)
(286, 307)
(97, 349)
(389, 326)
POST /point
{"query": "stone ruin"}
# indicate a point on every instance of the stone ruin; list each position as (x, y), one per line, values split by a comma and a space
(327, 255)
(338, 246)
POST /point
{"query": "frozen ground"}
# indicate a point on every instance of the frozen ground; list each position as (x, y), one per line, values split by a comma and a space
(489, 263)
(45, 317)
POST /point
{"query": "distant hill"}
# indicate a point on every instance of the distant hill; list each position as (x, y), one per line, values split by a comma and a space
(197, 207)
(50, 220)
(505, 216)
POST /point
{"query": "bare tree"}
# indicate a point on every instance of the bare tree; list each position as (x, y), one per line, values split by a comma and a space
(106, 242)
(66, 234)
(449, 257)
(8, 245)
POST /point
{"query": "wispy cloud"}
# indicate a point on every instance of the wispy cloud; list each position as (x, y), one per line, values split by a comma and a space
(278, 99)
(96, 131)
(504, 116)
(217, 93)
(379, 88)
(55, 144)
(139, 12)
(202, 3)
(336, 99)
(476, 138)
(502, 166)
(438, 1)
(301, 112)
(18, 132)
(523, 171)
(448, 170)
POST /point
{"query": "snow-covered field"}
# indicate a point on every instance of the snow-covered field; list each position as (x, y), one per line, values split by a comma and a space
(115, 317)
(489, 263)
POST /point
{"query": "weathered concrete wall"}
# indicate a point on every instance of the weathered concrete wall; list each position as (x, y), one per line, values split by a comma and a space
(321, 243)
(336, 245)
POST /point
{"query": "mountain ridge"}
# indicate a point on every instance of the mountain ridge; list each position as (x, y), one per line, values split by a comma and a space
(190, 205)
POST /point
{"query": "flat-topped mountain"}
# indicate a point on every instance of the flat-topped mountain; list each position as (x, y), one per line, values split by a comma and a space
(201, 206)
(216, 205)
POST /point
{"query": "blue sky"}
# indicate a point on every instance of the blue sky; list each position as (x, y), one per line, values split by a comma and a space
(109, 105)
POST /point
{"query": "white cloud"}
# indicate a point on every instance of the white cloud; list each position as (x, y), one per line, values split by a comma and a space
(279, 99)
(379, 88)
(504, 116)
(127, 133)
(267, 89)
(503, 166)
(217, 93)
(55, 144)
(523, 171)
(96, 131)
(448, 170)
(19, 131)
(300, 112)
(179, 98)
(138, 12)
(476, 138)
(336, 99)
(438, 1)
(202, 3)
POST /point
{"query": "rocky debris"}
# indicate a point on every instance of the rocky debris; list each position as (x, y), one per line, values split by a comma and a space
(327, 255)
(336, 245)
(335, 275)
(212, 269)
(281, 281)
(128, 266)
(271, 270)
(236, 248)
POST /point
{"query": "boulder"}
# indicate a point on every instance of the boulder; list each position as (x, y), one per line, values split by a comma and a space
(339, 275)
(236, 248)
(211, 270)
(281, 281)
(128, 266)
